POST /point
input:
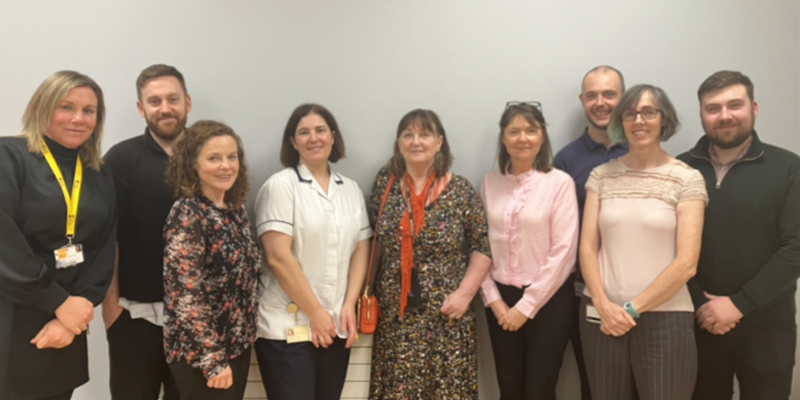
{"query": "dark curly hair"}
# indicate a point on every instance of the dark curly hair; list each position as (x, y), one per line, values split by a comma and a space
(181, 172)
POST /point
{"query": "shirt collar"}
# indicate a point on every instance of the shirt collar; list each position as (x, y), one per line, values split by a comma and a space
(60, 152)
(521, 178)
(713, 154)
(208, 202)
(304, 174)
(593, 146)
(148, 139)
(700, 150)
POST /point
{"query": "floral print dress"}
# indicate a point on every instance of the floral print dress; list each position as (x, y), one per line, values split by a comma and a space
(427, 356)
(211, 271)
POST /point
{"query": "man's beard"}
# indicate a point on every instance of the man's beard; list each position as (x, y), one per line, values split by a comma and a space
(594, 124)
(740, 136)
(180, 125)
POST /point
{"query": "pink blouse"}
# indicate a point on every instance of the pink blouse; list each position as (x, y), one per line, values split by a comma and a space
(533, 234)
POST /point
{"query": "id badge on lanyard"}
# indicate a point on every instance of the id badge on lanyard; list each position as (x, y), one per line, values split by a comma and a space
(71, 254)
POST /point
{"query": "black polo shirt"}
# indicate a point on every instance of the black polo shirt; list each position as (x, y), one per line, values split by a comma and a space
(143, 201)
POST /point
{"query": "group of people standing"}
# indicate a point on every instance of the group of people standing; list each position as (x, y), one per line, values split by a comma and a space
(668, 275)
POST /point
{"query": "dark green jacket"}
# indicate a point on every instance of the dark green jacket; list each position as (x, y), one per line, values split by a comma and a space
(751, 236)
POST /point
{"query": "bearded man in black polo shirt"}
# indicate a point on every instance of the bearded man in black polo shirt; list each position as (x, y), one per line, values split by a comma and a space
(133, 308)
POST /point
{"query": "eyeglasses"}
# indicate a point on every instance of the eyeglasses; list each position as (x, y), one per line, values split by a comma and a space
(530, 103)
(648, 113)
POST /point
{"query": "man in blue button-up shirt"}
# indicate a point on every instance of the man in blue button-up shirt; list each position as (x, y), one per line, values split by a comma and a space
(601, 90)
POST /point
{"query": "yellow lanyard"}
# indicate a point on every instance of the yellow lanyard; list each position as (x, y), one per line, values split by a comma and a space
(72, 201)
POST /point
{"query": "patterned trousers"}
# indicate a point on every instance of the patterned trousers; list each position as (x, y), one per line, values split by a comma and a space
(656, 360)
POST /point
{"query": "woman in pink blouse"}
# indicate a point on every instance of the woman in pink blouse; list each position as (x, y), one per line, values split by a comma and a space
(640, 244)
(533, 233)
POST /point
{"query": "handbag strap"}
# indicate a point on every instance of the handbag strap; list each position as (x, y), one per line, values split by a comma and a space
(375, 236)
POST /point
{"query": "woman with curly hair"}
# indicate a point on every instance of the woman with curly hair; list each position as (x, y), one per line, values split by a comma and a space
(211, 266)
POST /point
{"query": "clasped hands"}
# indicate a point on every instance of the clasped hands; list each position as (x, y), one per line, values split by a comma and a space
(614, 320)
(323, 328)
(511, 319)
(72, 318)
(719, 315)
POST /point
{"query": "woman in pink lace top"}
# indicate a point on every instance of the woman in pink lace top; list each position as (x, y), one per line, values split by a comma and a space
(532, 212)
(640, 244)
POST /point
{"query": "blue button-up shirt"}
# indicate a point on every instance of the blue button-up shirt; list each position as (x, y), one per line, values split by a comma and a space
(580, 157)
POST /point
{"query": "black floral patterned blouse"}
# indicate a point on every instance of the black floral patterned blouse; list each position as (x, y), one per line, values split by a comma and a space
(427, 356)
(211, 270)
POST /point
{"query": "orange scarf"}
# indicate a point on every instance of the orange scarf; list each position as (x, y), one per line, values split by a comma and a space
(407, 237)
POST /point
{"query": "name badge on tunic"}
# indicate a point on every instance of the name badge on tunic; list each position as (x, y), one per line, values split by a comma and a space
(68, 256)
(297, 333)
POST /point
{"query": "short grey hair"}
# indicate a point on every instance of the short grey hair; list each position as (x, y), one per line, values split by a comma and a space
(630, 99)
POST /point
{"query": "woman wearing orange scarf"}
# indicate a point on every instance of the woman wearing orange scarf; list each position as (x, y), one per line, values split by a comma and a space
(435, 254)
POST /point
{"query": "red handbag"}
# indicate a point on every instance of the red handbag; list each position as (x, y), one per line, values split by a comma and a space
(368, 309)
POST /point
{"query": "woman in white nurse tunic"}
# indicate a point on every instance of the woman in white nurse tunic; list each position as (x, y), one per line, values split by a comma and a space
(314, 227)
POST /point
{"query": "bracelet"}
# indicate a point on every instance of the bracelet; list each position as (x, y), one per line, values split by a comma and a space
(628, 306)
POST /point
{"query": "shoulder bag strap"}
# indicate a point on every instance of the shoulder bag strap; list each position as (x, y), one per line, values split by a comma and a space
(375, 236)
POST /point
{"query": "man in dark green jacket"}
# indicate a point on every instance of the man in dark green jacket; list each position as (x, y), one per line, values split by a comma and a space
(744, 290)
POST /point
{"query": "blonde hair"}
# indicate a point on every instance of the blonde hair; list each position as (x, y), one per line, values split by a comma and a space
(43, 104)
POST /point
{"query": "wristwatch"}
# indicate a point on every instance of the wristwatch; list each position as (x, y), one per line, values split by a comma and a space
(628, 306)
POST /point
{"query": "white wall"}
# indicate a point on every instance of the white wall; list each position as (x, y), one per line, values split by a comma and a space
(249, 63)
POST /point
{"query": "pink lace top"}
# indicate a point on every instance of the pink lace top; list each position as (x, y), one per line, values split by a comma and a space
(638, 226)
